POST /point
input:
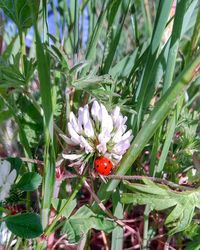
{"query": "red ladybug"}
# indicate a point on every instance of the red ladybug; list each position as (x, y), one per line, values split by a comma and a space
(103, 165)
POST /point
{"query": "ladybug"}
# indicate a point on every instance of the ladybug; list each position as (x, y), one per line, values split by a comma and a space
(103, 165)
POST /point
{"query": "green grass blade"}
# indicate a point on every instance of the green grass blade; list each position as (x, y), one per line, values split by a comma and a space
(154, 151)
(169, 135)
(160, 23)
(118, 232)
(174, 44)
(92, 44)
(115, 41)
(49, 155)
(195, 37)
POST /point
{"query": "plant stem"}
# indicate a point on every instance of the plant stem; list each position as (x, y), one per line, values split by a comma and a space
(146, 226)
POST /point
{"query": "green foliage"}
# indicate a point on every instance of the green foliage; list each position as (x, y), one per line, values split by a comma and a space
(12, 76)
(15, 162)
(82, 221)
(138, 55)
(20, 11)
(161, 197)
(29, 181)
(27, 225)
(58, 205)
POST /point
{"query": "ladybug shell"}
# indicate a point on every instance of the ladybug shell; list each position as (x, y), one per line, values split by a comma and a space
(103, 165)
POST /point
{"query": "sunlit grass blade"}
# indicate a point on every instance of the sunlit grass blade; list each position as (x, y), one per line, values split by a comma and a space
(109, 55)
(49, 154)
(174, 44)
(160, 23)
(95, 34)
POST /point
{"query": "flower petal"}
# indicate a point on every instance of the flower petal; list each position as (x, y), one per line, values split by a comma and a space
(95, 110)
(88, 129)
(86, 115)
(80, 117)
(71, 157)
(74, 122)
(118, 135)
(104, 137)
(74, 136)
(115, 114)
(5, 169)
(127, 135)
(67, 140)
(121, 147)
(86, 145)
(102, 148)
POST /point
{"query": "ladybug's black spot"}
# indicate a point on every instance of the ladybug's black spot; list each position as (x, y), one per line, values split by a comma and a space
(105, 167)
(109, 162)
(97, 165)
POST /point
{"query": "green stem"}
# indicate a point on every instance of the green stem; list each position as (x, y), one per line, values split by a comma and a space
(146, 226)
(72, 196)
(23, 47)
(195, 38)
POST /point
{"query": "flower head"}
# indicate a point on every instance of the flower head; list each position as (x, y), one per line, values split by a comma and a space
(7, 178)
(96, 132)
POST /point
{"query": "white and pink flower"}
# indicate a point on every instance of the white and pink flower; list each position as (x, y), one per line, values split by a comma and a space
(96, 132)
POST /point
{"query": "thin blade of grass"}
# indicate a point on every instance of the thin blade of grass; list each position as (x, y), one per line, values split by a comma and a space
(160, 23)
(174, 44)
(169, 135)
(49, 155)
(115, 41)
(118, 232)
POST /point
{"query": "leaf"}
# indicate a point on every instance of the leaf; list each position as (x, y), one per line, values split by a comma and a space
(15, 162)
(82, 221)
(43, 67)
(58, 205)
(161, 197)
(29, 181)
(92, 82)
(194, 245)
(20, 11)
(26, 225)
(5, 115)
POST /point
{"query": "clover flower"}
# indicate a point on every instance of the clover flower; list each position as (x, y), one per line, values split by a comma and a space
(6, 179)
(96, 132)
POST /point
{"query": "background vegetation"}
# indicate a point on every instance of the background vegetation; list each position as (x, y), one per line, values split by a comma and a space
(140, 55)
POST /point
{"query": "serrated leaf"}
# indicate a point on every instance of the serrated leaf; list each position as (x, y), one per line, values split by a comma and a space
(29, 181)
(92, 82)
(161, 197)
(26, 225)
(20, 11)
(82, 221)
